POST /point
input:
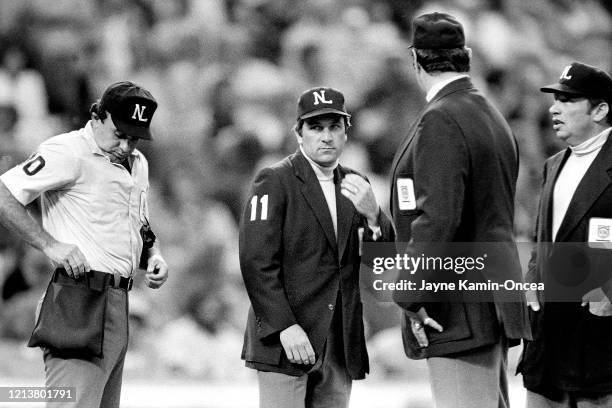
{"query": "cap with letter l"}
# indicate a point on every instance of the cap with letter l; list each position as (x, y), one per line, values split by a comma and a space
(131, 108)
(321, 101)
(582, 80)
(437, 31)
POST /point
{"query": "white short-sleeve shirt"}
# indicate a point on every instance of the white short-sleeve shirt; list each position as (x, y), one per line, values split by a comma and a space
(87, 200)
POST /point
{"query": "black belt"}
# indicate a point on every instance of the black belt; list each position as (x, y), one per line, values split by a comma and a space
(95, 279)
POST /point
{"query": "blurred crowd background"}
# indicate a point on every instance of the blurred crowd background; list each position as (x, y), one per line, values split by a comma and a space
(227, 74)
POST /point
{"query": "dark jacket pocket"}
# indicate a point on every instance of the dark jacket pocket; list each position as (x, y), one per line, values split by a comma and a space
(453, 319)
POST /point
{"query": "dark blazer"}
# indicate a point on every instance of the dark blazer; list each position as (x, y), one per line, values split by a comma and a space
(294, 269)
(463, 160)
(571, 348)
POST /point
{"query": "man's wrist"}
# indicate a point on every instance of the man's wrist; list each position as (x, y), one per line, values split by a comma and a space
(373, 218)
(374, 225)
(154, 254)
(44, 242)
(154, 250)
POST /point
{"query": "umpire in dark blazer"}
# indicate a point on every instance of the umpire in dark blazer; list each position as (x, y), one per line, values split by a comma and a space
(569, 361)
(453, 180)
(300, 238)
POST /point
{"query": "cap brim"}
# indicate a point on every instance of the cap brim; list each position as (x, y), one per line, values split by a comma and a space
(324, 111)
(132, 130)
(560, 88)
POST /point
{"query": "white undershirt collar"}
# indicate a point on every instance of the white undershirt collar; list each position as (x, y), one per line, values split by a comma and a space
(433, 91)
(324, 173)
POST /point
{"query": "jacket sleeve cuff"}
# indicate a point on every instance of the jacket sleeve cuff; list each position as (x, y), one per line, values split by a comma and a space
(266, 331)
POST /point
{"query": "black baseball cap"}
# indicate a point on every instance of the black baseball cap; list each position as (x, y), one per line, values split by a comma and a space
(580, 79)
(437, 31)
(131, 108)
(321, 101)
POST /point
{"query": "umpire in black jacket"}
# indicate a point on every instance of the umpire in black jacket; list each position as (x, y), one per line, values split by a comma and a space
(453, 181)
(569, 361)
(299, 254)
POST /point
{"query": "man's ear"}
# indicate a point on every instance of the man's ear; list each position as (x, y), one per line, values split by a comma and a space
(93, 111)
(97, 113)
(415, 64)
(298, 134)
(600, 112)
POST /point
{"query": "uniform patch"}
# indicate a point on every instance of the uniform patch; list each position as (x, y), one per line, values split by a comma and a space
(255, 201)
(600, 231)
(405, 194)
(33, 165)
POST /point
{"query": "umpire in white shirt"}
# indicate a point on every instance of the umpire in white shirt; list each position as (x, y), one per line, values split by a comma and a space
(93, 186)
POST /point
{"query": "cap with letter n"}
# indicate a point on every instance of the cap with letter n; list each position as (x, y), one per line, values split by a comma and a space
(321, 101)
(583, 80)
(131, 108)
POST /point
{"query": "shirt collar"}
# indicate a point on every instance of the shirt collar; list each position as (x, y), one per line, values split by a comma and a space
(433, 91)
(323, 173)
(592, 144)
(89, 139)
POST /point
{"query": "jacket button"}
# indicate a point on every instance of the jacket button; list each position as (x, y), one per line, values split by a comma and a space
(330, 306)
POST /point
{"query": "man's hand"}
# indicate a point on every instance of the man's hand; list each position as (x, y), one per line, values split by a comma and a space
(157, 271)
(418, 321)
(598, 302)
(69, 257)
(532, 300)
(359, 191)
(297, 346)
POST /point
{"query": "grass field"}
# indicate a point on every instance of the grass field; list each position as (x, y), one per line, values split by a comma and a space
(21, 366)
(181, 394)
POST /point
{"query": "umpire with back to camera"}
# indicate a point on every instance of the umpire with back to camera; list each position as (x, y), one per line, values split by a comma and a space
(93, 186)
(453, 182)
(300, 235)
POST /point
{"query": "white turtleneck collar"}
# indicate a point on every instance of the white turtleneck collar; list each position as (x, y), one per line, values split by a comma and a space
(322, 172)
(591, 145)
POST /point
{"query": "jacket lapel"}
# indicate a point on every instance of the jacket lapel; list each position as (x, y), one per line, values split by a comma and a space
(313, 194)
(344, 208)
(406, 142)
(594, 182)
(547, 196)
